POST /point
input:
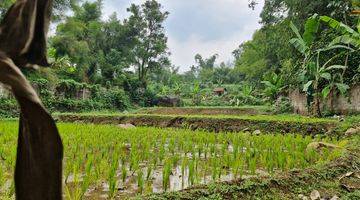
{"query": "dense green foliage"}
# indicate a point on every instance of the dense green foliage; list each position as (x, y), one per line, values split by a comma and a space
(308, 45)
(323, 61)
(102, 67)
(60, 6)
(270, 45)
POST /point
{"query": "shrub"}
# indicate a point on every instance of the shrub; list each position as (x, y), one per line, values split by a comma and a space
(64, 99)
(45, 92)
(69, 87)
(8, 108)
(144, 97)
(73, 105)
(215, 100)
(115, 99)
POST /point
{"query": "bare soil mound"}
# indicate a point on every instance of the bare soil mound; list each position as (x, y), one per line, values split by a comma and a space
(206, 123)
(203, 111)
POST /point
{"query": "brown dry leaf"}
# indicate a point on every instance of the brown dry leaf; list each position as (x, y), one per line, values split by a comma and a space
(350, 181)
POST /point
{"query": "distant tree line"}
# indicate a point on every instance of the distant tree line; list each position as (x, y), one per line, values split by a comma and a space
(310, 45)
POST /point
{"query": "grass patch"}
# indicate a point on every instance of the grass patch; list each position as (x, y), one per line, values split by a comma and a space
(349, 122)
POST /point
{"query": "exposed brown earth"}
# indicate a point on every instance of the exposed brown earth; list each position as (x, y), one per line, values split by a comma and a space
(202, 111)
(203, 123)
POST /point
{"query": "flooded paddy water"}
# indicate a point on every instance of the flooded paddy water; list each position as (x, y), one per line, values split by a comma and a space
(105, 161)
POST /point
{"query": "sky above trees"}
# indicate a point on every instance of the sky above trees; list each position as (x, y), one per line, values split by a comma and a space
(201, 26)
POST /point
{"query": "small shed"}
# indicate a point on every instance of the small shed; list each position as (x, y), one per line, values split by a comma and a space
(355, 12)
(219, 91)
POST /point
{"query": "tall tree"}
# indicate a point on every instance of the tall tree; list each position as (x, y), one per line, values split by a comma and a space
(151, 49)
(81, 38)
(275, 11)
(224, 74)
(118, 46)
(60, 7)
(252, 61)
(270, 51)
(207, 63)
(205, 67)
(71, 40)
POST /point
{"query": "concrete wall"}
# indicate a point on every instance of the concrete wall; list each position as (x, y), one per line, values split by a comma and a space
(338, 104)
(4, 93)
(81, 94)
(298, 102)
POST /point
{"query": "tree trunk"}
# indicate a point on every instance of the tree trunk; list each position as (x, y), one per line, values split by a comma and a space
(316, 106)
(332, 97)
(142, 74)
(143, 83)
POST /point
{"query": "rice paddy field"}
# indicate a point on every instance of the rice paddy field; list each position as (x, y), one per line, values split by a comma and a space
(108, 162)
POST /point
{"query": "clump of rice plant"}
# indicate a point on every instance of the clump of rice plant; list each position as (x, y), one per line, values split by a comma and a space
(95, 154)
(112, 181)
(148, 172)
(123, 172)
(140, 180)
(184, 164)
(87, 179)
(191, 172)
(166, 175)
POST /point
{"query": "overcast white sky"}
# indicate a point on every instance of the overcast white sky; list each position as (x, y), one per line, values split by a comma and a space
(201, 26)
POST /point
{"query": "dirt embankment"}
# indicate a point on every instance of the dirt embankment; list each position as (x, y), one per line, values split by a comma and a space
(203, 111)
(206, 123)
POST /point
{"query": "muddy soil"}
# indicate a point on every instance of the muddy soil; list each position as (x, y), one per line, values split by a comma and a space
(177, 182)
(202, 111)
(296, 184)
(207, 124)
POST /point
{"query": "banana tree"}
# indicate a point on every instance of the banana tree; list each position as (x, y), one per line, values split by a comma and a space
(304, 43)
(247, 94)
(164, 90)
(195, 93)
(274, 85)
(348, 36)
(177, 89)
(315, 75)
